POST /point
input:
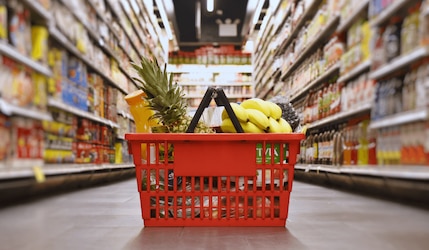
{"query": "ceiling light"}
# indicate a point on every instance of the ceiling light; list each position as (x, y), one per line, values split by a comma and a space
(210, 5)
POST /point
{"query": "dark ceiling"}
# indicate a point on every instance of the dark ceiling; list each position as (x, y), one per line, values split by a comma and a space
(237, 13)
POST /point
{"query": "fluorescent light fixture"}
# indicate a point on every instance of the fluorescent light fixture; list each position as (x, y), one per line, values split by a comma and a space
(164, 18)
(198, 19)
(210, 5)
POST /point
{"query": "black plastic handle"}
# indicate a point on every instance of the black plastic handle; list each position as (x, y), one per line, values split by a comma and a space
(221, 100)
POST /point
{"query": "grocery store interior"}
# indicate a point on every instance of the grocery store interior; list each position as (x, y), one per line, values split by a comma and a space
(300, 124)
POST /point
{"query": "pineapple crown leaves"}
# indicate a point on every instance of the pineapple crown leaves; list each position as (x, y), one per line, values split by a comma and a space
(163, 97)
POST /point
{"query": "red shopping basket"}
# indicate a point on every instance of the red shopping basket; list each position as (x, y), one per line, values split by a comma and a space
(221, 179)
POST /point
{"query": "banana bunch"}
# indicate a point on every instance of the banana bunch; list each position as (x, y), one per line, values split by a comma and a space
(256, 116)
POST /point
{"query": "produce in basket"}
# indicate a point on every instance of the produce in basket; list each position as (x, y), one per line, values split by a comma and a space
(256, 116)
(165, 98)
(288, 111)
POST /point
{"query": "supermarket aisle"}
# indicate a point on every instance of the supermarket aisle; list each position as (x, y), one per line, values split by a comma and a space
(108, 217)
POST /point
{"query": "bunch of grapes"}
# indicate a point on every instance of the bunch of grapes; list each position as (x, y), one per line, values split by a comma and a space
(288, 111)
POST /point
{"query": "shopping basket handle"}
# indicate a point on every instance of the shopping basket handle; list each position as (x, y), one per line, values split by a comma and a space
(221, 100)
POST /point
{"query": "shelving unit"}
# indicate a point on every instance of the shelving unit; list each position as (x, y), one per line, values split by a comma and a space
(346, 23)
(60, 105)
(399, 63)
(400, 172)
(341, 116)
(310, 47)
(267, 69)
(61, 169)
(10, 109)
(122, 45)
(420, 114)
(195, 89)
(329, 72)
(356, 71)
(9, 51)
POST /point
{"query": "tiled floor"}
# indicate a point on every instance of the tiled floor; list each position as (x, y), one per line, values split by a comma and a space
(108, 217)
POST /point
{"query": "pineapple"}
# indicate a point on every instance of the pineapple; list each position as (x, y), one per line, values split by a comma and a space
(165, 98)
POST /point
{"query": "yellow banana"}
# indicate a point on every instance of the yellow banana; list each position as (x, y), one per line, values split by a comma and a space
(275, 127)
(258, 118)
(258, 104)
(250, 127)
(286, 128)
(239, 111)
(275, 110)
(228, 127)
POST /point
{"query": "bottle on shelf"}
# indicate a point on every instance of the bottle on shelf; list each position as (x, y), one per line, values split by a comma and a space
(347, 156)
(362, 150)
(316, 149)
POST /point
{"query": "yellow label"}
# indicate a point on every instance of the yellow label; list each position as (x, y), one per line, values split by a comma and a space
(38, 174)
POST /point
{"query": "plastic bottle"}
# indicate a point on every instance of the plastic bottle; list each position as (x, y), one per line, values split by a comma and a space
(347, 146)
(141, 114)
(316, 149)
(362, 151)
(140, 111)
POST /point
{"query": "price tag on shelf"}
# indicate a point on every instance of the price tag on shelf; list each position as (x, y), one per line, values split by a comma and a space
(38, 174)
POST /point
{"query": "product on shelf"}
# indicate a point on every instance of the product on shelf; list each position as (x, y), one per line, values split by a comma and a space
(210, 55)
(39, 46)
(358, 47)
(21, 86)
(410, 30)
(5, 142)
(343, 144)
(27, 143)
(19, 27)
(3, 21)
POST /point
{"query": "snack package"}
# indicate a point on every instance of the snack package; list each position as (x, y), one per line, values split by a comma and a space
(39, 39)
(3, 20)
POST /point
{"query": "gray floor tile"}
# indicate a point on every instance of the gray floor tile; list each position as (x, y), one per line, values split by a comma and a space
(109, 217)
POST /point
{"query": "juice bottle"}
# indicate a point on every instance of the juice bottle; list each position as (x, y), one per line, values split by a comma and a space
(316, 149)
(363, 143)
(347, 146)
(141, 114)
(372, 144)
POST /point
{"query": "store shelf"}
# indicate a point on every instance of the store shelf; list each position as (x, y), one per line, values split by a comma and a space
(356, 71)
(388, 12)
(196, 96)
(188, 68)
(125, 115)
(399, 63)
(233, 84)
(61, 105)
(310, 47)
(400, 118)
(59, 169)
(56, 169)
(39, 9)
(309, 12)
(333, 69)
(10, 109)
(120, 21)
(286, 8)
(57, 35)
(357, 11)
(393, 171)
(341, 115)
(10, 51)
